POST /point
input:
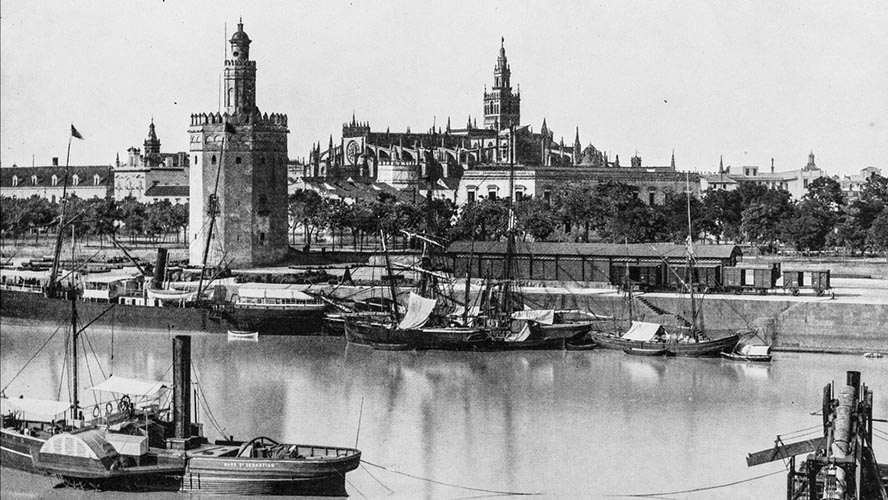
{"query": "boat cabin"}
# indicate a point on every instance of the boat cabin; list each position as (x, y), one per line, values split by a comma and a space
(106, 287)
(27, 280)
(275, 296)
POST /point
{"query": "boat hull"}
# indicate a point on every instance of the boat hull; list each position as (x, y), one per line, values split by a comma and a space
(747, 358)
(554, 336)
(638, 351)
(708, 348)
(33, 306)
(316, 471)
(18, 451)
(377, 332)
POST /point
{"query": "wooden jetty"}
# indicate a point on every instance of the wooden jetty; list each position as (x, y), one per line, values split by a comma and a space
(840, 465)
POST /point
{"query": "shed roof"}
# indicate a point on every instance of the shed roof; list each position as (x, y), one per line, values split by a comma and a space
(634, 250)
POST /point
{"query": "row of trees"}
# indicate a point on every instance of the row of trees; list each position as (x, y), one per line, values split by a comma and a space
(579, 211)
(613, 212)
(95, 217)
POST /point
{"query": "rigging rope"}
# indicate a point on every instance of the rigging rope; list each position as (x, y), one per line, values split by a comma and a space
(32, 359)
(482, 490)
(693, 490)
(219, 428)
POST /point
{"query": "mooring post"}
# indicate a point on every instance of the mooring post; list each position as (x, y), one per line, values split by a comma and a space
(182, 386)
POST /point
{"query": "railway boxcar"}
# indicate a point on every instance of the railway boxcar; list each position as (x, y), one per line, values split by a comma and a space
(706, 277)
(754, 278)
(646, 276)
(798, 279)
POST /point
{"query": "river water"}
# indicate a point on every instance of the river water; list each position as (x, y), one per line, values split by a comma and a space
(593, 424)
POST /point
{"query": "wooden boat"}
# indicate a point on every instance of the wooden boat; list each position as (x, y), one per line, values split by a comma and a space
(676, 341)
(262, 466)
(584, 343)
(646, 351)
(753, 353)
(239, 335)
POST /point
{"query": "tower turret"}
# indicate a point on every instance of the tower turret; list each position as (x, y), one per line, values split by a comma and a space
(240, 75)
(502, 108)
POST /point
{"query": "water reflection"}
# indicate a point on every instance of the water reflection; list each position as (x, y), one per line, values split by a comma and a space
(566, 424)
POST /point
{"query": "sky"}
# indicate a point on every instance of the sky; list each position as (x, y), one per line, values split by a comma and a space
(748, 81)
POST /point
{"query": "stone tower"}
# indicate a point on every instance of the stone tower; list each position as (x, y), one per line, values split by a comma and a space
(152, 146)
(240, 167)
(502, 108)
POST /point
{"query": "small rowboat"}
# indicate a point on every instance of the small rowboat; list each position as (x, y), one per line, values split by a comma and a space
(580, 344)
(238, 335)
(757, 353)
(646, 351)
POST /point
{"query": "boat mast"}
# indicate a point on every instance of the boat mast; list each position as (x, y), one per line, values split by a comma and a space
(212, 213)
(75, 403)
(57, 251)
(690, 261)
(388, 269)
(510, 231)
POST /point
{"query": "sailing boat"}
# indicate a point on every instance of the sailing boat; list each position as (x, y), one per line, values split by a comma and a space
(689, 341)
(418, 328)
(509, 323)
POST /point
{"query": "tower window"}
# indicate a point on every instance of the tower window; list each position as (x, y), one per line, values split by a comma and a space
(650, 198)
(237, 160)
(262, 238)
(213, 159)
(195, 159)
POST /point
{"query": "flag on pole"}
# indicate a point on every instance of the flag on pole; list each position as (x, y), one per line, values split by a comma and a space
(75, 134)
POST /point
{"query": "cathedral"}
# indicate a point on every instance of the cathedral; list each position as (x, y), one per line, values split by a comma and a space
(238, 173)
(415, 159)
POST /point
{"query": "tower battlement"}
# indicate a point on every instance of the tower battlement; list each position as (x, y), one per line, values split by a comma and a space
(274, 119)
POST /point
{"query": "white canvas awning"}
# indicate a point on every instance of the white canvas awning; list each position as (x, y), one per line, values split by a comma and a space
(273, 291)
(642, 331)
(131, 386)
(543, 316)
(41, 410)
(755, 350)
(418, 310)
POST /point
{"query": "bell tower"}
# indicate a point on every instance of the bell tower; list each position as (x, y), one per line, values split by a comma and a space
(502, 108)
(238, 173)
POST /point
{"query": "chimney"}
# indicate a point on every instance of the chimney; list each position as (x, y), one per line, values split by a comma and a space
(55, 161)
(182, 386)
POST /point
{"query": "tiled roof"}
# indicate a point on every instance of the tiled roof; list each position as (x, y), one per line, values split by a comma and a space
(85, 173)
(167, 191)
(635, 250)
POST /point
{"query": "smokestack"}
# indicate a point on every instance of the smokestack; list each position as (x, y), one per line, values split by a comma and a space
(159, 269)
(182, 386)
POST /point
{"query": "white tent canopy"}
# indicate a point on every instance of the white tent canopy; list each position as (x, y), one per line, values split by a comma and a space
(543, 316)
(131, 386)
(642, 331)
(418, 310)
(42, 410)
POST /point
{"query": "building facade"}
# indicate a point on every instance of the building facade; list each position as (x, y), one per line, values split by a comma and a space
(48, 181)
(795, 181)
(142, 172)
(238, 173)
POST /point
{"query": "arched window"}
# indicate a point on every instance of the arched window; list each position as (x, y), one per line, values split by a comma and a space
(213, 159)
(96, 180)
(34, 180)
(75, 180)
(15, 181)
(55, 180)
(237, 160)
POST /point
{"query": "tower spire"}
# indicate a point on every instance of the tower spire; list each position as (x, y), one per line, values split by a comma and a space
(721, 165)
(672, 163)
